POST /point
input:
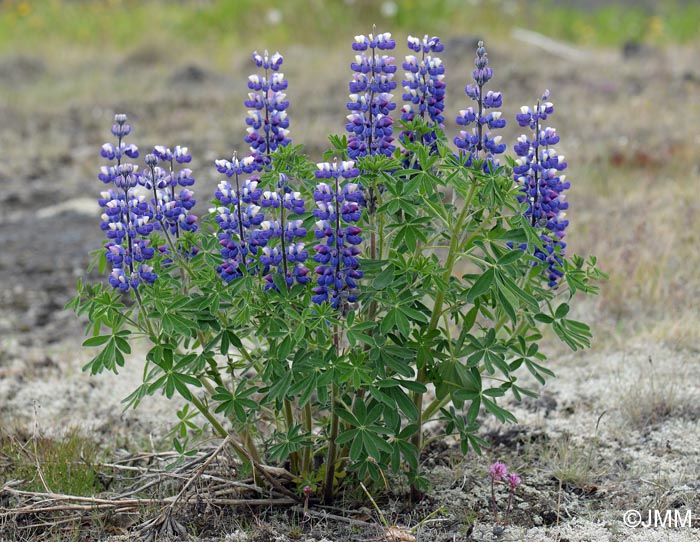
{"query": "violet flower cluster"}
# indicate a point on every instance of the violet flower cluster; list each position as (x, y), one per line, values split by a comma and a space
(175, 207)
(249, 241)
(424, 87)
(480, 143)
(338, 212)
(268, 124)
(238, 215)
(130, 214)
(537, 171)
(370, 105)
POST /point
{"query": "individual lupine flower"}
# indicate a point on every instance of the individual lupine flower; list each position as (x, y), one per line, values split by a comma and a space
(537, 171)
(479, 143)
(267, 118)
(127, 217)
(424, 87)
(370, 105)
(337, 211)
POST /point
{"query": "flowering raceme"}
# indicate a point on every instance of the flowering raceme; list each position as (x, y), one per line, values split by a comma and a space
(237, 214)
(478, 143)
(267, 118)
(424, 87)
(537, 172)
(247, 238)
(127, 218)
(369, 122)
(176, 207)
(338, 271)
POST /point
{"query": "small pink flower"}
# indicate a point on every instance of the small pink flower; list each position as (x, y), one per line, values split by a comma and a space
(498, 471)
(514, 480)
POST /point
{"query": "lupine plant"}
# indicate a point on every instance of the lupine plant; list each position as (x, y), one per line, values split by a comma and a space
(319, 315)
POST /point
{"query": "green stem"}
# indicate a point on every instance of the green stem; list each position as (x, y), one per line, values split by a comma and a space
(331, 456)
(335, 421)
(308, 426)
(248, 444)
(422, 376)
(289, 418)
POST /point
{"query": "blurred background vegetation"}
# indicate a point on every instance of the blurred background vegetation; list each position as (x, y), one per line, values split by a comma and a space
(218, 25)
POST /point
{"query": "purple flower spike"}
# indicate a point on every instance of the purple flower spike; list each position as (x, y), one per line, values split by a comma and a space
(537, 171)
(424, 87)
(127, 218)
(238, 214)
(338, 208)
(479, 143)
(369, 122)
(267, 120)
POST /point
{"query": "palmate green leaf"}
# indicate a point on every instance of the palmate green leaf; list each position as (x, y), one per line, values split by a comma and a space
(501, 414)
(403, 324)
(110, 358)
(305, 388)
(134, 398)
(280, 389)
(575, 334)
(397, 359)
(357, 336)
(415, 315)
(538, 370)
(97, 341)
(544, 318)
(510, 257)
(562, 310)
(180, 384)
(514, 290)
(348, 417)
(404, 402)
(176, 324)
(388, 322)
(405, 449)
(482, 285)
(507, 304)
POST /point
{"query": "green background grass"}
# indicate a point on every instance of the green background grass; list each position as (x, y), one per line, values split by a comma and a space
(221, 24)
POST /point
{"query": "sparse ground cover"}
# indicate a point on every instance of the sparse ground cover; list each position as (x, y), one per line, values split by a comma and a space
(618, 428)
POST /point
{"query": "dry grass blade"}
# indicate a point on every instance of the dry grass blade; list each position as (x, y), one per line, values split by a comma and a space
(53, 511)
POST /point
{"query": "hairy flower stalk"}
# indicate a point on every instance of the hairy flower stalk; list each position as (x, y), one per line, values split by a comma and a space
(479, 144)
(128, 217)
(537, 171)
(338, 210)
(424, 88)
